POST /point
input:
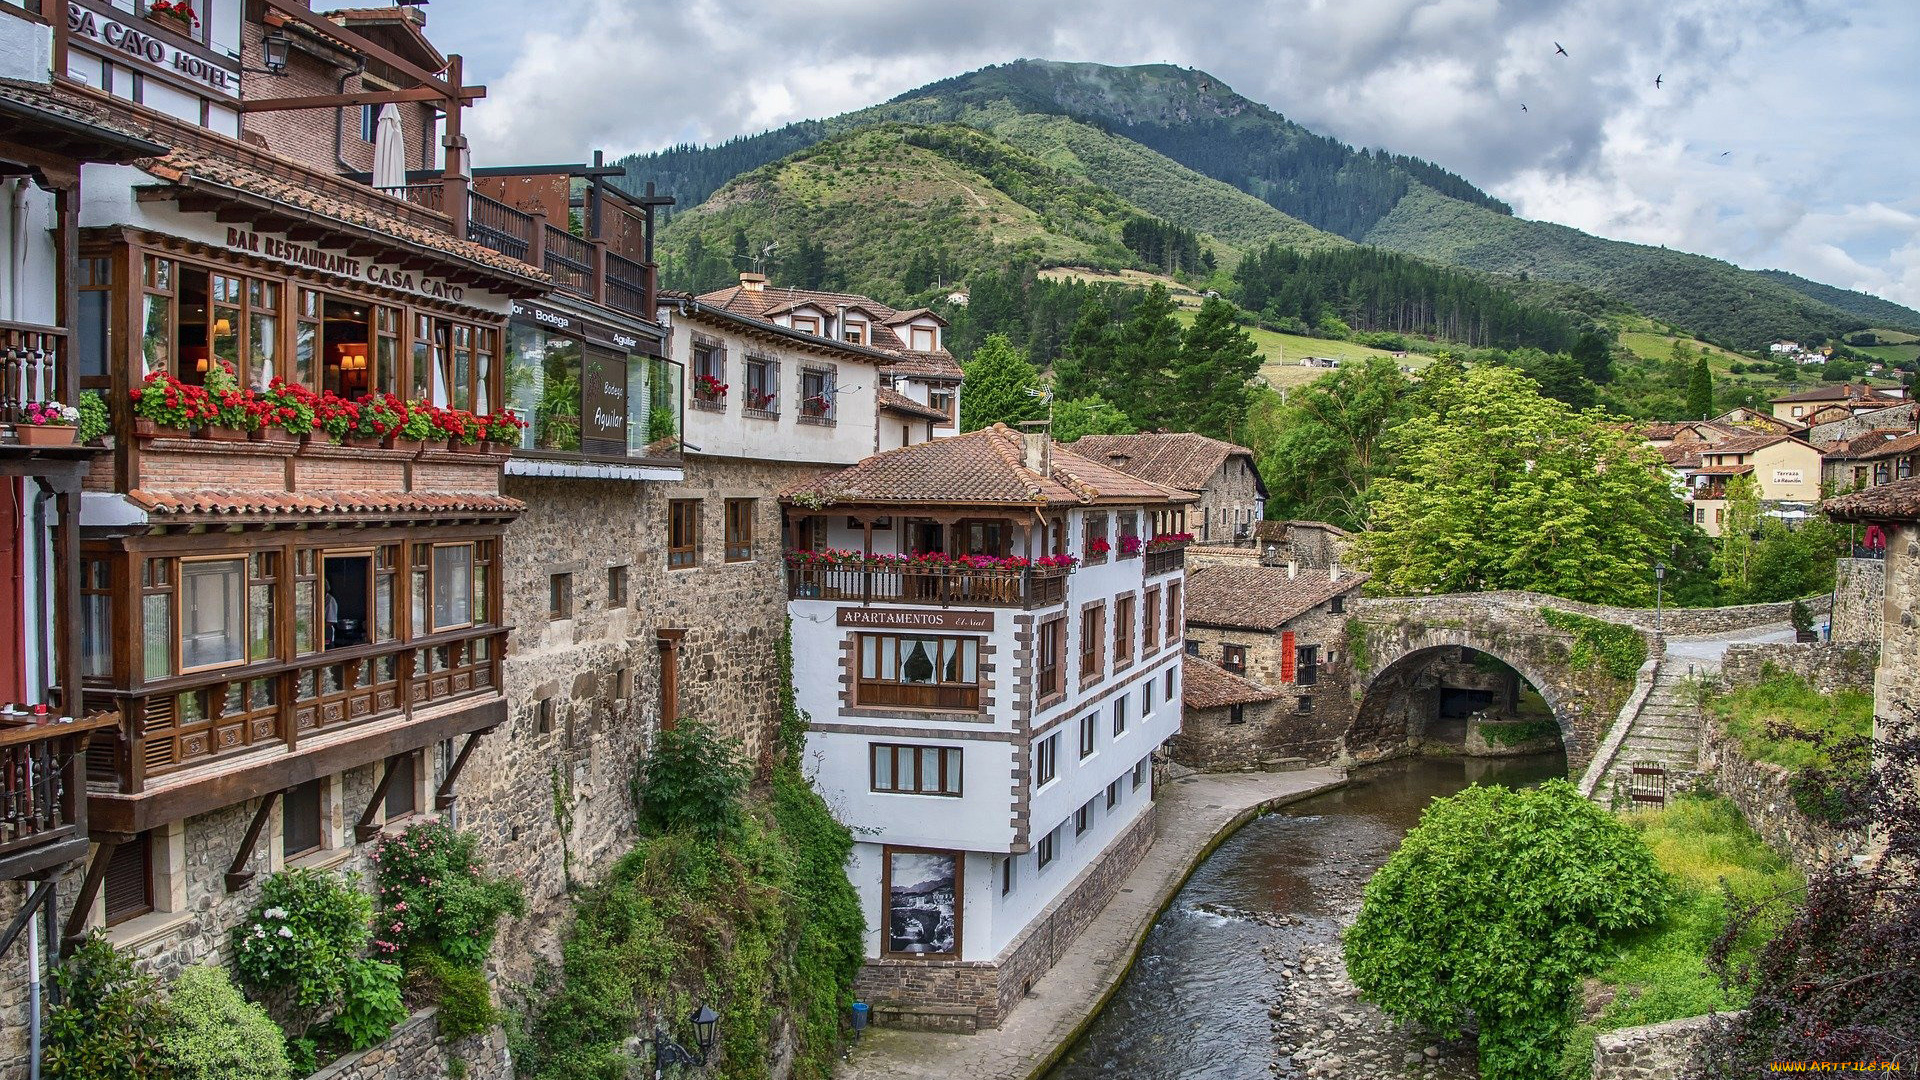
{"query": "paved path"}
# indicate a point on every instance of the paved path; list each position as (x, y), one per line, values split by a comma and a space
(1196, 812)
(1712, 649)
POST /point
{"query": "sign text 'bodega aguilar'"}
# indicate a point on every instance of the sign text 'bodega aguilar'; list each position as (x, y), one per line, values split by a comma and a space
(276, 247)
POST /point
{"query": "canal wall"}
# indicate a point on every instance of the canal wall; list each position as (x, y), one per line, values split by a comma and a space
(1648, 1052)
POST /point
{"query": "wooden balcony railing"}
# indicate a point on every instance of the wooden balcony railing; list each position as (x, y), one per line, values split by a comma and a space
(1165, 560)
(896, 583)
(578, 265)
(43, 793)
(951, 698)
(30, 358)
(276, 706)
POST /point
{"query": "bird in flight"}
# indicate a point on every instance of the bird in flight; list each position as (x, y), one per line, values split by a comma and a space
(1724, 153)
(1558, 48)
(1523, 106)
(1657, 79)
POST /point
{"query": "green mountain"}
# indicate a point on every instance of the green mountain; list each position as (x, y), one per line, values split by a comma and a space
(1177, 144)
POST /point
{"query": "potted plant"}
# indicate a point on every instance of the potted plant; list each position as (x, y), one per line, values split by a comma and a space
(416, 427)
(176, 15)
(230, 419)
(95, 421)
(708, 388)
(1802, 619)
(286, 412)
(347, 422)
(462, 430)
(47, 423)
(504, 428)
(163, 401)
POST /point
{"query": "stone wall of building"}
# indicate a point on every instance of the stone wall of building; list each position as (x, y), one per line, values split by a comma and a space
(416, 1050)
(1860, 590)
(1230, 501)
(967, 995)
(1305, 726)
(1649, 1052)
(1829, 666)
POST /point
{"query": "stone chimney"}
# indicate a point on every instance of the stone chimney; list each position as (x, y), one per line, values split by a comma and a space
(753, 282)
(1333, 571)
(1036, 446)
(1293, 570)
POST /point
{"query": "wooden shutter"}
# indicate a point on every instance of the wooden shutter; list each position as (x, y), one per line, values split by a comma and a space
(300, 819)
(400, 793)
(129, 882)
(1286, 656)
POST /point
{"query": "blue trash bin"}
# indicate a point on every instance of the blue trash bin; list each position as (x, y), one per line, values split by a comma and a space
(860, 1012)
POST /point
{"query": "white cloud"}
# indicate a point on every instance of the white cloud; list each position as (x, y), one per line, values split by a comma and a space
(1814, 108)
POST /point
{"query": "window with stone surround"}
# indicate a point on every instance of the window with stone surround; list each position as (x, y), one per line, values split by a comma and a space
(1234, 658)
(915, 770)
(740, 529)
(1052, 656)
(1123, 632)
(817, 392)
(616, 586)
(709, 379)
(1338, 604)
(1237, 714)
(1046, 760)
(1095, 546)
(763, 388)
(1093, 636)
(403, 796)
(1306, 665)
(1305, 706)
(918, 671)
(560, 596)
(683, 533)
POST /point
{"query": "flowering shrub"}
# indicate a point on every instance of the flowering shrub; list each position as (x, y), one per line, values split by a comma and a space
(1130, 544)
(51, 414)
(232, 403)
(287, 406)
(1163, 540)
(504, 426)
(458, 425)
(302, 937)
(168, 402)
(417, 424)
(434, 893)
(181, 10)
(707, 386)
(1098, 546)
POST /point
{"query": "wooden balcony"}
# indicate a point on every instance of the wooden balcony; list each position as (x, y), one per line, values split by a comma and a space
(43, 812)
(30, 362)
(579, 265)
(1165, 560)
(886, 582)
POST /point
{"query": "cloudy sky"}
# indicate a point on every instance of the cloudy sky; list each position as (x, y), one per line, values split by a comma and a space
(1783, 135)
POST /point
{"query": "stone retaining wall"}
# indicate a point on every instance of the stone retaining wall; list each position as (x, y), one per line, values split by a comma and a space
(1673, 620)
(1860, 592)
(1649, 1052)
(1761, 792)
(1829, 666)
(415, 1049)
(924, 994)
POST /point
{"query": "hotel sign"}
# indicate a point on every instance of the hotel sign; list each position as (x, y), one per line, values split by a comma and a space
(280, 249)
(896, 619)
(1786, 476)
(120, 36)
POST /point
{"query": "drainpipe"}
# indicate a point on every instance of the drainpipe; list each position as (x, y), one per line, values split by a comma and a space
(340, 118)
(17, 249)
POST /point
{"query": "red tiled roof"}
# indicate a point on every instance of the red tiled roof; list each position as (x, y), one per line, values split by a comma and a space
(1840, 392)
(1278, 530)
(1898, 501)
(1260, 597)
(1905, 444)
(1666, 429)
(1179, 459)
(1683, 455)
(225, 502)
(978, 468)
(78, 122)
(895, 402)
(1721, 470)
(931, 365)
(770, 301)
(1206, 685)
(1745, 444)
(1863, 443)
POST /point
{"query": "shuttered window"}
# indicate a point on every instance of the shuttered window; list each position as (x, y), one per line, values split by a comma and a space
(300, 819)
(400, 791)
(129, 881)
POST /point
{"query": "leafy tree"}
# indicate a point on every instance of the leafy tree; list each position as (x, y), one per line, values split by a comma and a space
(1088, 416)
(1769, 560)
(806, 266)
(108, 1023)
(1210, 376)
(1320, 449)
(1497, 487)
(1492, 910)
(1700, 391)
(1145, 350)
(998, 378)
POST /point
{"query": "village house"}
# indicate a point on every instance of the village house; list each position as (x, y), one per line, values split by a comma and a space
(1889, 417)
(987, 638)
(1784, 470)
(1224, 479)
(1268, 679)
(1797, 408)
(1870, 459)
(1895, 509)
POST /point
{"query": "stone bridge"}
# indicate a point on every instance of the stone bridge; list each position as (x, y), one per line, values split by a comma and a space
(1594, 665)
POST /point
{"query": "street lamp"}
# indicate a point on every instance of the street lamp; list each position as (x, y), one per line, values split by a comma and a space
(274, 50)
(1659, 592)
(667, 1052)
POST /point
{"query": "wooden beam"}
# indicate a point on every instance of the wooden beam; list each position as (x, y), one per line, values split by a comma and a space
(443, 798)
(306, 234)
(468, 95)
(240, 873)
(76, 930)
(237, 215)
(34, 899)
(365, 829)
(296, 11)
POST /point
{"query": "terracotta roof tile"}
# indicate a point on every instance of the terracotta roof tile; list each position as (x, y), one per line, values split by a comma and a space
(1864, 443)
(1905, 444)
(1840, 392)
(1898, 501)
(1179, 459)
(1260, 597)
(895, 402)
(766, 303)
(932, 365)
(1721, 470)
(1666, 429)
(1682, 455)
(225, 502)
(40, 105)
(1277, 530)
(1206, 685)
(979, 468)
(1744, 444)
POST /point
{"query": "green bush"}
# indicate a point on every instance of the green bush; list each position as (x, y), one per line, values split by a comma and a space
(1826, 739)
(108, 1023)
(303, 936)
(370, 1007)
(435, 893)
(1491, 911)
(94, 418)
(693, 782)
(1515, 734)
(466, 1002)
(212, 1032)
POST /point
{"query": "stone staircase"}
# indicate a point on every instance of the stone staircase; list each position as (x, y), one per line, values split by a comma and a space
(1664, 731)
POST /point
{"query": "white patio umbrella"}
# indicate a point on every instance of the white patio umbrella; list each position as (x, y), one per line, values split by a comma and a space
(389, 151)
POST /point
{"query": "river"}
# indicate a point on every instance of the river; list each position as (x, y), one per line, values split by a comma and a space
(1240, 976)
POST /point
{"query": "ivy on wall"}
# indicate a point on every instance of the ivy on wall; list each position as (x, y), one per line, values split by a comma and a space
(1618, 649)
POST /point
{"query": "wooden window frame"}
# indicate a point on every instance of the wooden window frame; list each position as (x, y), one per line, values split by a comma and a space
(141, 847)
(939, 695)
(617, 586)
(1123, 607)
(948, 785)
(1306, 665)
(769, 377)
(683, 533)
(1094, 527)
(1120, 715)
(1174, 627)
(1052, 646)
(739, 514)
(180, 613)
(914, 340)
(321, 785)
(1093, 641)
(1083, 818)
(1044, 850)
(559, 596)
(1150, 623)
(1233, 658)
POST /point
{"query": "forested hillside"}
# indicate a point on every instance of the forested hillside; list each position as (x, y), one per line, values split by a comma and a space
(1873, 310)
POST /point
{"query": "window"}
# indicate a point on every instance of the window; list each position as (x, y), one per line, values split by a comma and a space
(709, 375)
(1700, 515)
(1006, 875)
(1338, 604)
(817, 393)
(1146, 699)
(1150, 623)
(96, 617)
(806, 324)
(616, 586)
(1096, 539)
(1083, 817)
(1053, 648)
(1306, 665)
(1193, 648)
(924, 338)
(90, 320)
(1799, 410)
(402, 798)
(369, 122)
(1113, 794)
(213, 623)
(1304, 707)
(1093, 632)
(1234, 658)
(740, 529)
(1088, 735)
(451, 586)
(763, 388)
(1170, 674)
(1044, 851)
(560, 596)
(1123, 632)
(683, 533)
(915, 770)
(941, 399)
(1130, 543)
(1119, 716)
(453, 579)
(1139, 773)
(1046, 761)
(1173, 611)
(855, 332)
(300, 810)
(919, 672)
(128, 887)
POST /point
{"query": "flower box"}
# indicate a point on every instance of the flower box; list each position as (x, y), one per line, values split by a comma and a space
(144, 428)
(273, 433)
(214, 433)
(45, 434)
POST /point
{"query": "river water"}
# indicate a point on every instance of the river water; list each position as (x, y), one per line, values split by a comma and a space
(1240, 977)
